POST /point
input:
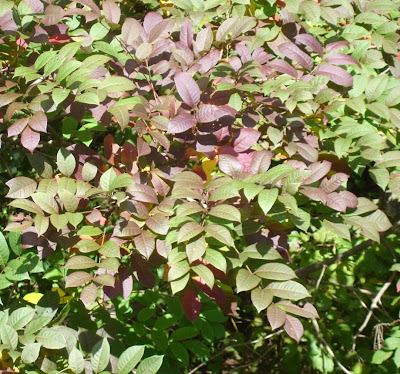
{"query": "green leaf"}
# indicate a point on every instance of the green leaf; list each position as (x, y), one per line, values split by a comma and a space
(88, 98)
(310, 9)
(75, 361)
(380, 356)
(89, 171)
(178, 270)
(121, 113)
(21, 317)
(275, 271)
(67, 69)
(129, 359)
(21, 188)
(225, 211)
(267, 198)
(205, 273)
(100, 355)
(246, 281)
(74, 218)
(223, 193)
(288, 290)
(46, 202)
(90, 231)
(26, 205)
(69, 200)
(66, 162)
(235, 101)
(261, 298)
(150, 365)
(220, 233)
(352, 32)
(117, 84)
(188, 231)
(339, 229)
(107, 179)
(59, 221)
(9, 337)
(30, 353)
(51, 338)
(80, 262)
(180, 352)
(196, 249)
(59, 95)
(216, 259)
(4, 251)
(122, 180)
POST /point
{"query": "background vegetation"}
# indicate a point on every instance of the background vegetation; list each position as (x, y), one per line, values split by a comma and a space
(199, 186)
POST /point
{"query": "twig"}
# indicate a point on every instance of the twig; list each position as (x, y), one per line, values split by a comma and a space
(378, 336)
(303, 272)
(328, 348)
(373, 306)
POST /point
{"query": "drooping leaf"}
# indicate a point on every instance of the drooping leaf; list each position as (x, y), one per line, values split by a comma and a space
(129, 359)
(100, 355)
(21, 187)
(246, 281)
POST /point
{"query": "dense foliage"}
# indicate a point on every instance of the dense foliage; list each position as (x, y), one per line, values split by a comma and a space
(199, 185)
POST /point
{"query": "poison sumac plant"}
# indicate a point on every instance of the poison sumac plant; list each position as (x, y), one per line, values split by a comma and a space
(191, 147)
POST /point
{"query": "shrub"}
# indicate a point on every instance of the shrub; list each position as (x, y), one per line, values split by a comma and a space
(173, 159)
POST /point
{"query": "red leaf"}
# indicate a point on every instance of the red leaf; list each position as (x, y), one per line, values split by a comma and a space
(181, 123)
(215, 293)
(229, 165)
(187, 88)
(191, 305)
(261, 161)
(112, 11)
(314, 193)
(247, 137)
(351, 199)
(337, 202)
(59, 39)
(30, 139)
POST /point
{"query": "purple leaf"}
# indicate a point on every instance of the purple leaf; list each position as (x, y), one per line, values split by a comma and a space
(229, 165)
(247, 137)
(151, 20)
(53, 15)
(186, 34)
(330, 185)
(112, 11)
(261, 56)
(351, 199)
(17, 127)
(235, 62)
(210, 113)
(335, 74)
(243, 52)
(142, 271)
(38, 122)
(283, 67)
(276, 316)
(30, 139)
(203, 40)
(335, 46)
(294, 328)
(7, 23)
(145, 243)
(337, 202)
(314, 193)
(126, 282)
(89, 295)
(261, 161)
(307, 152)
(341, 59)
(187, 88)
(317, 171)
(131, 29)
(311, 42)
(181, 123)
(293, 52)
